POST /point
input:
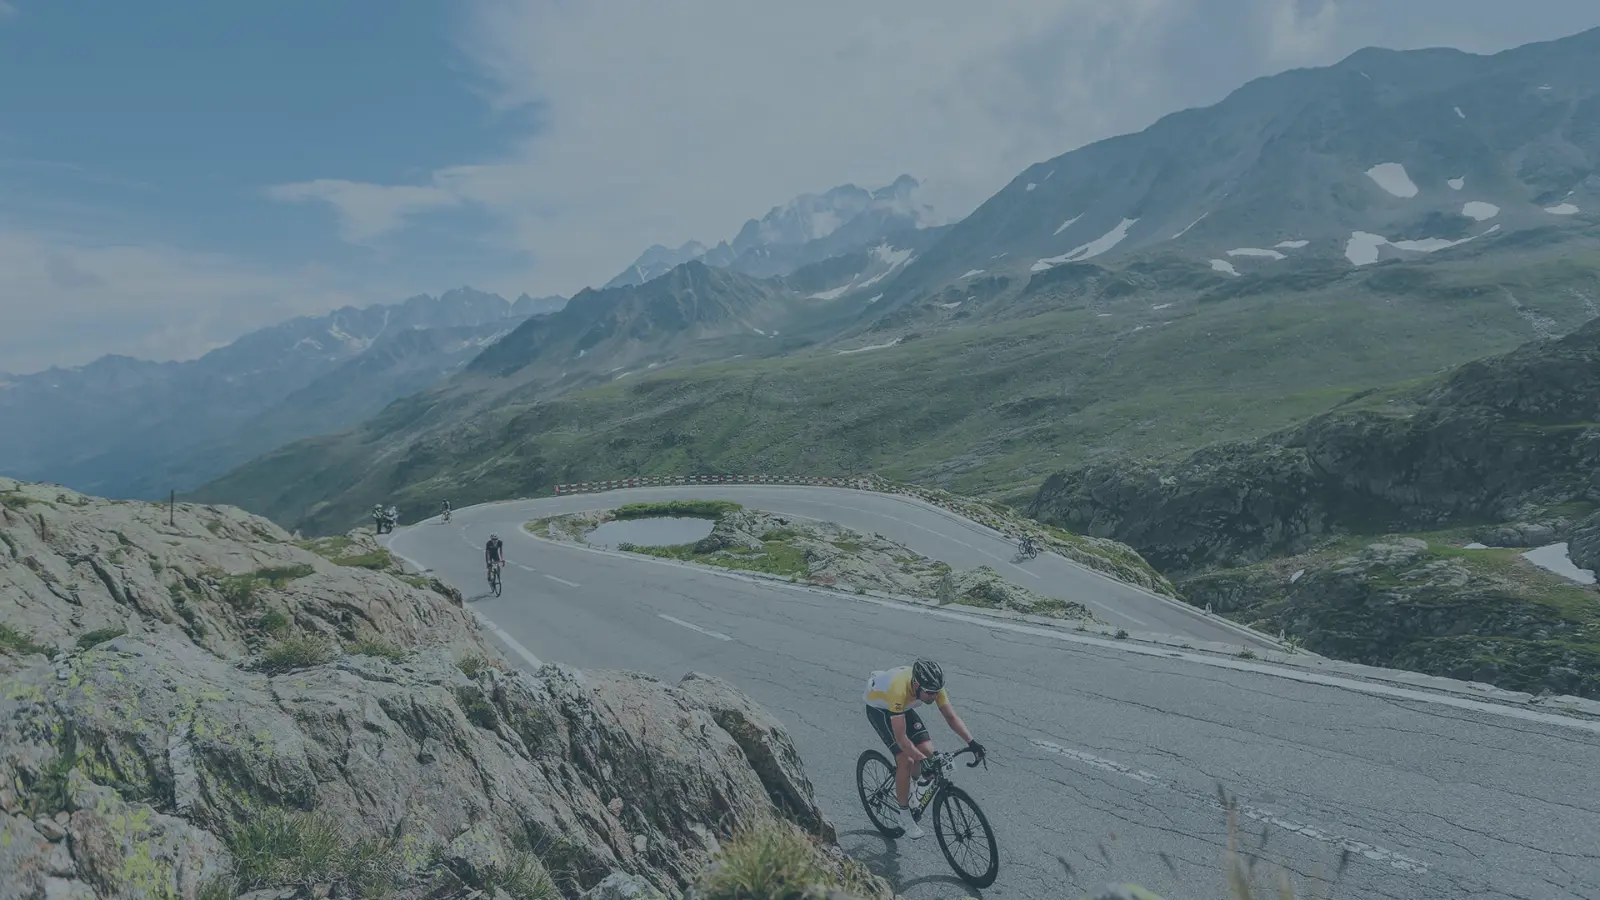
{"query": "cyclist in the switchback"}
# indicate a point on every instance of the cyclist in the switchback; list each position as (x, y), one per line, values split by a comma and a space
(892, 697)
(494, 552)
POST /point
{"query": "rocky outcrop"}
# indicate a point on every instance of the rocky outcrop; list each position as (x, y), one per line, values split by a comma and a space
(73, 566)
(1584, 545)
(1408, 603)
(770, 752)
(150, 746)
(390, 753)
(1488, 442)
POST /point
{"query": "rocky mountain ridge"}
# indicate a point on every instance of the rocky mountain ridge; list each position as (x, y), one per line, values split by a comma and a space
(808, 229)
(1387, 154)
(205, 707)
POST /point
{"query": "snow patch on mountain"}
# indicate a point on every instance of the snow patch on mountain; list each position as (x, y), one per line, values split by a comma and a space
(1090, 250)
(834, 294)
(1479, 210)
(870, 347)
(1190, 225)
(1392, 177)
(1031, 186)
(891, 256)
(1459, 113)
(1457, 184)
(1562, 209)
(1068, 223)
(971, 272)
(1222, 265)
(1362, 248)
(1256, 251)
(1291, 245)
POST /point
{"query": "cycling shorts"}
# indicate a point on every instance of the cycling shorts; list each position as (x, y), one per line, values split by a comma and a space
(915, 730)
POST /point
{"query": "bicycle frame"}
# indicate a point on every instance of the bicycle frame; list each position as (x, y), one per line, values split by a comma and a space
(943, 769)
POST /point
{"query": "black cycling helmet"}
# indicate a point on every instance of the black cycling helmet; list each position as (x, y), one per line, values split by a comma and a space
(927, 674)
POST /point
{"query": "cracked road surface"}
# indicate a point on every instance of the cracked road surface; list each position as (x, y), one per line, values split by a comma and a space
(1104, 765)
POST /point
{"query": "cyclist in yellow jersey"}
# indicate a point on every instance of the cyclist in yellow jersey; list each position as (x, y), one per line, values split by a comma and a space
(891, 697)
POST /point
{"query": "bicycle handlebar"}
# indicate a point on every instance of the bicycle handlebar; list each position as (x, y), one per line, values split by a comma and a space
(974, 764)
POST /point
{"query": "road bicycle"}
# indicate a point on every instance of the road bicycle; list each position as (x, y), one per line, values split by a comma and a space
(1027, 550)
(494, 578)
(961, 827)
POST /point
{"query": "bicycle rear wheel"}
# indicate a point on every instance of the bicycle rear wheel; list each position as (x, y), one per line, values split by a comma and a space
(875, 784)
(965, 837)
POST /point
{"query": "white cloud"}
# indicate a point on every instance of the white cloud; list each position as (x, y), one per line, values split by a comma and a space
(7, 10)
(664, 122)
(1301, 30)
(366, 211)
(67, 300)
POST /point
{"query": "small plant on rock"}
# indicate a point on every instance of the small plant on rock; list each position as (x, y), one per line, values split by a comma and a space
(281, 848)
(274, 622)
(522, 876)
(99, 636)
(377, 647)
(297, 653)
(14, 641)
(766, 862)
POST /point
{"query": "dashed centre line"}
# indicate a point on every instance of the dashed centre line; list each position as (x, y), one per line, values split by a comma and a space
(693, 627)
(1373, 852)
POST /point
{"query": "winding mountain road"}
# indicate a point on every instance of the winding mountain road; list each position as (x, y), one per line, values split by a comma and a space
(1105, 757)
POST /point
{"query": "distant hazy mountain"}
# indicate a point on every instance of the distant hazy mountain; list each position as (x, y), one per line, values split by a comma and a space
(124, 427)
(808, 229)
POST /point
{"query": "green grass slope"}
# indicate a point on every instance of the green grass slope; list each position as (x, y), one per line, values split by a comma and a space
(988, 408)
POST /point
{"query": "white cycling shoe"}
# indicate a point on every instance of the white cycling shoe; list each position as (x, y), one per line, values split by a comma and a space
(912, 829)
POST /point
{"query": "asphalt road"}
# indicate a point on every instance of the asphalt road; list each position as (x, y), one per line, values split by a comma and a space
(1104, 763)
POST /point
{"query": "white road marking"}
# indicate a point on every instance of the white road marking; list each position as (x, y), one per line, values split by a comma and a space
(1254, 813)
(693, 627)
(508, 640)
(562, 580)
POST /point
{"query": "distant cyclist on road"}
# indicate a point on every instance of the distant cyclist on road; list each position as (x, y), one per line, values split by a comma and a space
(494, 552)
(891, 696)
(444, 511)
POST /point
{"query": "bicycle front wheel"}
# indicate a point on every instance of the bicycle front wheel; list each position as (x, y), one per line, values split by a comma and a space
(875, 784)
(965, 837)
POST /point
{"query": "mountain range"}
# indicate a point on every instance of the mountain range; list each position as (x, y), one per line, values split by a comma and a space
(1386, 155)
(1227, 271)
(808, 229)
(126, 427)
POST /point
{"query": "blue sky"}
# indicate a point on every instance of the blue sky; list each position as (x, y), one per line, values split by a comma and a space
(174, 174)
